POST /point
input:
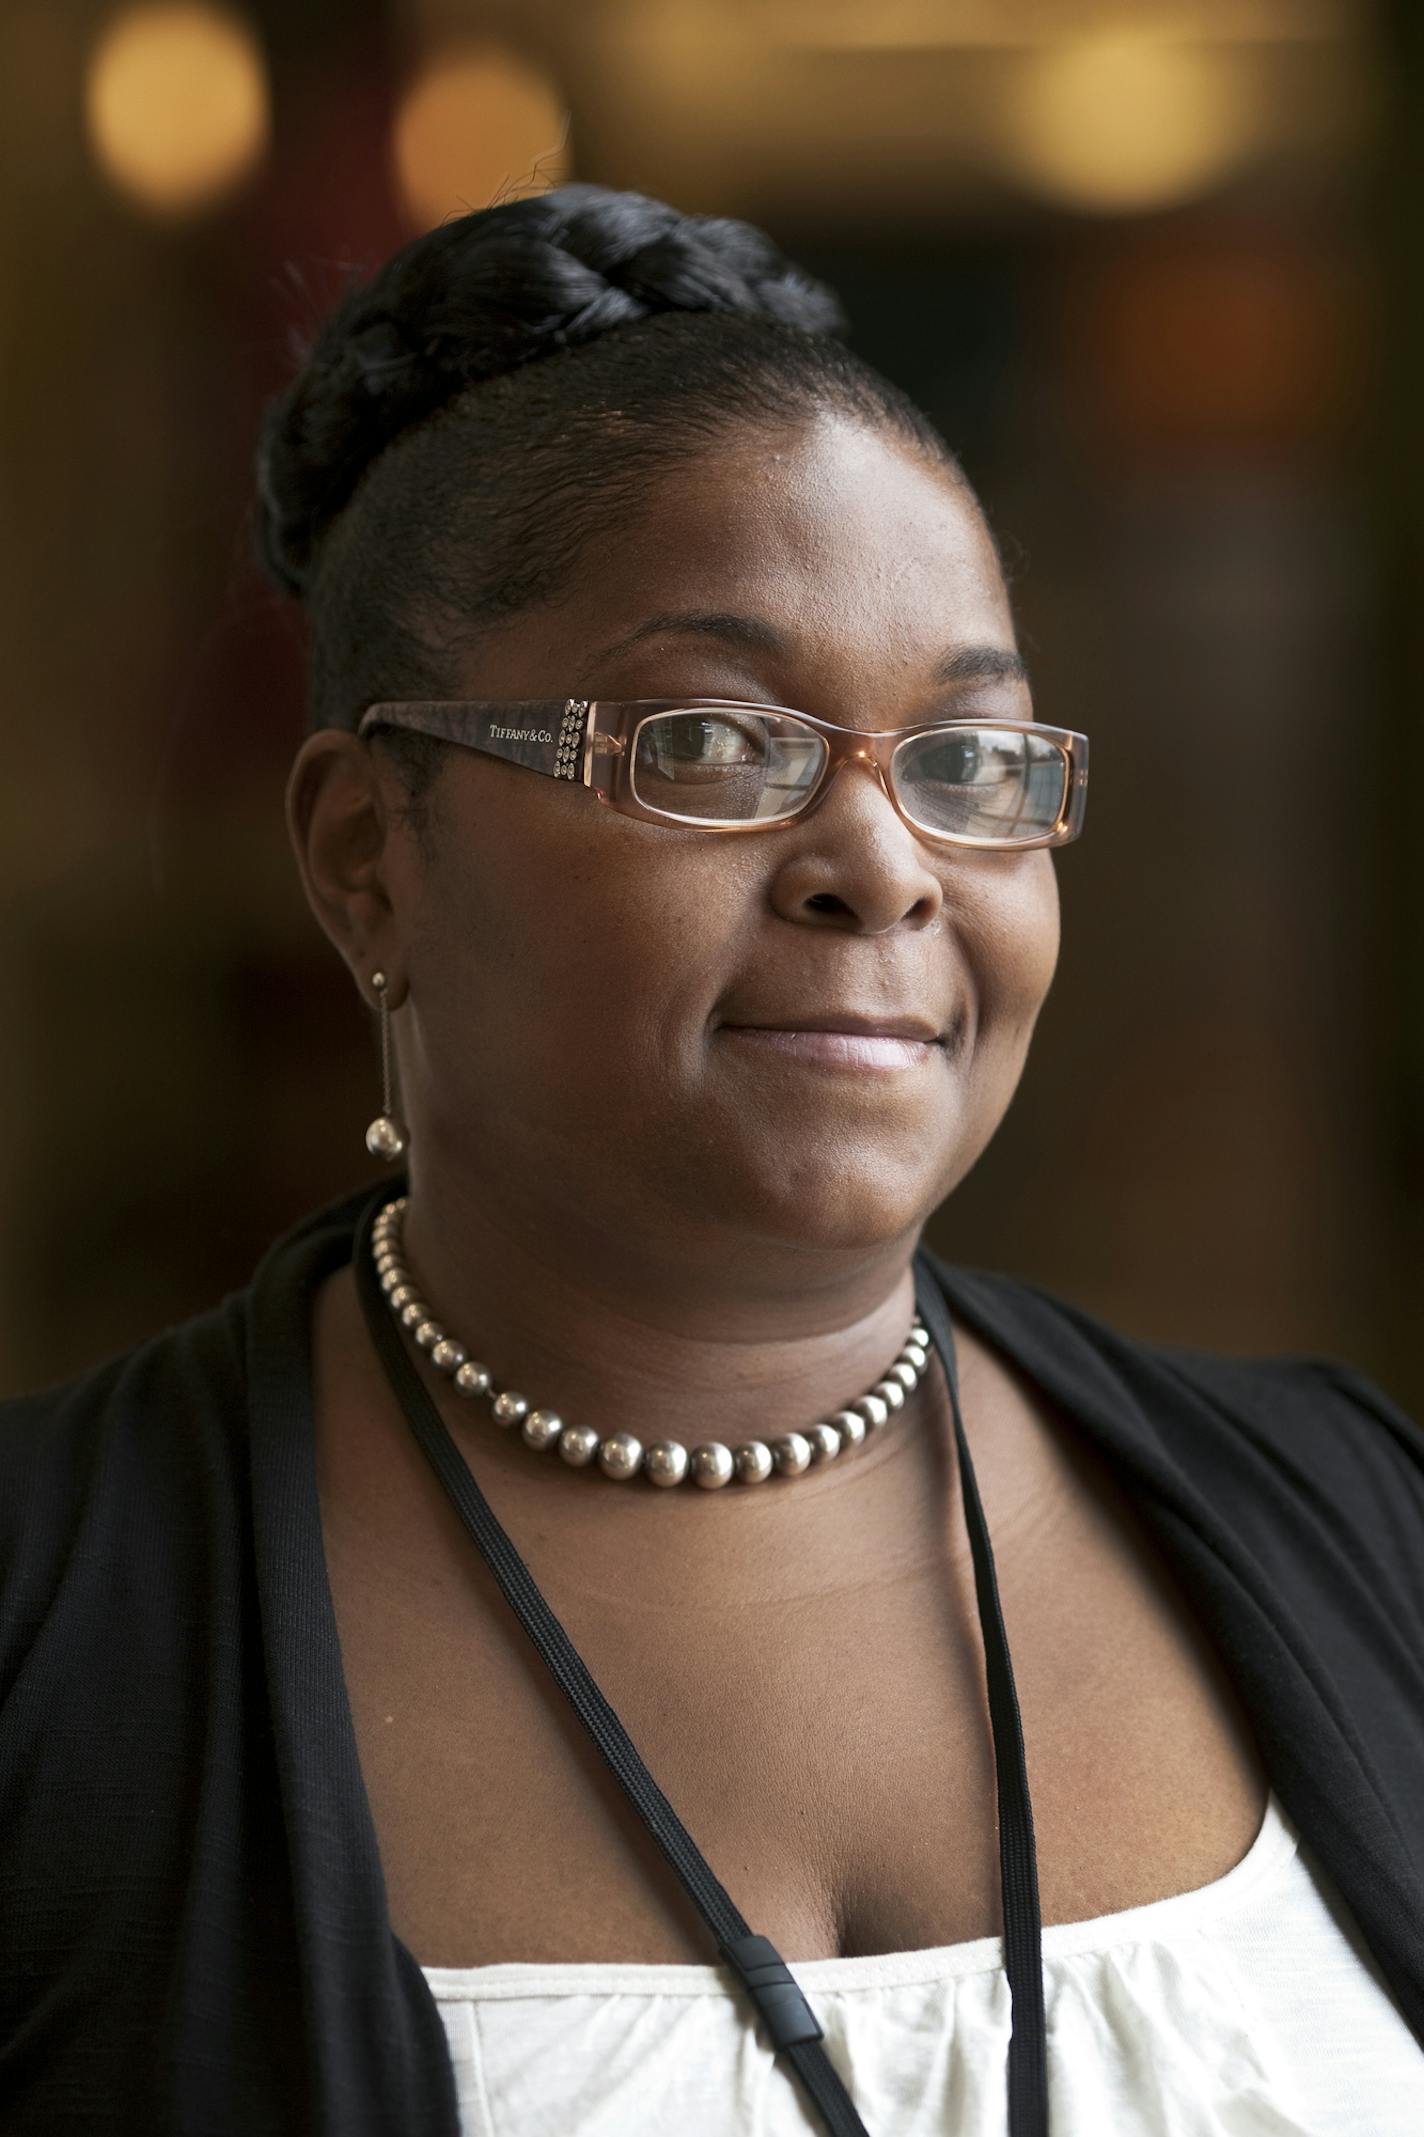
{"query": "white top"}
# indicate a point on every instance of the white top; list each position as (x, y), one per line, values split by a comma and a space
(1250, 2007)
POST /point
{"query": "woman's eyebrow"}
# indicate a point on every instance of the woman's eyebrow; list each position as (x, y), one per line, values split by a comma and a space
(961, 665)
(740, 631)
(981, 664)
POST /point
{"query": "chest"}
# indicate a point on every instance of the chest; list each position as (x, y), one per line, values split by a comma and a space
(811, 1699)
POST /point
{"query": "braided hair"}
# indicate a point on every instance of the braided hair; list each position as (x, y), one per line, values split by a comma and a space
(500, 393)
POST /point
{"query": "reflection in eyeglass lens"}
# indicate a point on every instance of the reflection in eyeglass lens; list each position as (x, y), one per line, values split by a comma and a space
(742, 767)
(724, 767)
(982, 782)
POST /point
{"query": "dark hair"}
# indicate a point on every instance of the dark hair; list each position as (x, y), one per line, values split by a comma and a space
(501, 392)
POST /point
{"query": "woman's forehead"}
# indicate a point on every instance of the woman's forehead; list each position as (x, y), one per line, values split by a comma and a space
(838, 509)
(837, 544)
(959, 662)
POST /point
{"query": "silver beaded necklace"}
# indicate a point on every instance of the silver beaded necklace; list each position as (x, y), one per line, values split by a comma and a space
(619, 1454)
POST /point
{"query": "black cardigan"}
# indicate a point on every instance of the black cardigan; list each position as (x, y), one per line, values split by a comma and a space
(193, 1929)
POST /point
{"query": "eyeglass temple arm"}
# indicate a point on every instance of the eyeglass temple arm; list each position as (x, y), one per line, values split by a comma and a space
(546, 735)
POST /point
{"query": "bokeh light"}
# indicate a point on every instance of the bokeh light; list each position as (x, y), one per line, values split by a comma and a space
(477, 123)
(1124, 119)
(176, 104)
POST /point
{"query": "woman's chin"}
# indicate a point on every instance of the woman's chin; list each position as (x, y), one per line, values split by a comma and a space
(830, 1208)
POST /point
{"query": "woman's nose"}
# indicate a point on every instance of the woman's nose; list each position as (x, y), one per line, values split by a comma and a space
(851, 860)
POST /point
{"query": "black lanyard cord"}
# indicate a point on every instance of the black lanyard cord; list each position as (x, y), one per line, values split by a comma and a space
(1018, 1856)
(792, 2027)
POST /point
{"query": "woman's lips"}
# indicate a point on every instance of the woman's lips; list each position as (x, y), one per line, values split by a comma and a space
(837, 1049)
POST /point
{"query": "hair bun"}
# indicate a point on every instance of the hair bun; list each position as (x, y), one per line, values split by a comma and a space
(485, 294)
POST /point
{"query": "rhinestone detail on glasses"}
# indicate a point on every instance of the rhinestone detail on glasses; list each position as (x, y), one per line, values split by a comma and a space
(570, 747)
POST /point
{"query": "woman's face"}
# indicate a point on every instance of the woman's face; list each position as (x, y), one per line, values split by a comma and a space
(568, 1043)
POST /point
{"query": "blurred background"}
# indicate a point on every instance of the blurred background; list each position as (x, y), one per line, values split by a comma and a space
(1155, 271)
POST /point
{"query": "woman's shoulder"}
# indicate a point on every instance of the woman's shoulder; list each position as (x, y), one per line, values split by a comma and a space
(204, 1351)
(200, 1356)
(1298, 1462)
(165, 1419)
(111, 1479)
(1306, 1407)
(123, 1435)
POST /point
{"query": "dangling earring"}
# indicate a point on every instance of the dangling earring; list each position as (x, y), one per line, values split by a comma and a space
(386, 1137)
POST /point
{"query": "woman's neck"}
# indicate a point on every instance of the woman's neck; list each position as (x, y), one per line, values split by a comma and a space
(701, 1336)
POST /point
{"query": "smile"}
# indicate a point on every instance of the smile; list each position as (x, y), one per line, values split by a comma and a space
(856, 1050)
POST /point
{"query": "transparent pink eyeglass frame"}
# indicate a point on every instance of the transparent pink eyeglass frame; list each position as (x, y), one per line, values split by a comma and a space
(594, 743)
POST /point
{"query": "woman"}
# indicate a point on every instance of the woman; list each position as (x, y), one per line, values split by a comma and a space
(299, 1831)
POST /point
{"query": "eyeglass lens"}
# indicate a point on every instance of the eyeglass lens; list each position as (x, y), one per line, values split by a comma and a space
(745, 767)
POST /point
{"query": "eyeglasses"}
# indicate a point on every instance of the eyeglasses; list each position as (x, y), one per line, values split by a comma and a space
(717, 765)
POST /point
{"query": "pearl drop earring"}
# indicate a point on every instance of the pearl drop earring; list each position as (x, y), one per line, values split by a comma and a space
(386, 1136)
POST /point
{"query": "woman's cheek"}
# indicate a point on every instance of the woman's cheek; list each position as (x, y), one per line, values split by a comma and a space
(1016, 939)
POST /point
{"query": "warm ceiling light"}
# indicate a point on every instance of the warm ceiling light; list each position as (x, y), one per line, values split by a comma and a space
(475, 124)
(176, 104)
(1123, 120)
(1009, 25)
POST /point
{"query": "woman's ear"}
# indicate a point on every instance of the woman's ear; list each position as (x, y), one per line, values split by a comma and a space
(342, 818)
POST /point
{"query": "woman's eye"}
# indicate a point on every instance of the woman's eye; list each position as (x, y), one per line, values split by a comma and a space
(954, 760)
